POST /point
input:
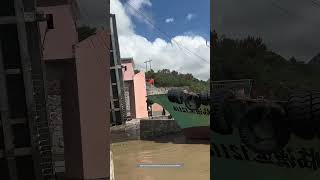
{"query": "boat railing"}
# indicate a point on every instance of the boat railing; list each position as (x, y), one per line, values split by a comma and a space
(234, 85)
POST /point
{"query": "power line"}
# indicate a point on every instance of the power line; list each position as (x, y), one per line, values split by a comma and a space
(287, 12)
(164, 33)
(316, 3)
(139, 66)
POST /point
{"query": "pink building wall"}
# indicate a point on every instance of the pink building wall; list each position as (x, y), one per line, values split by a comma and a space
(87, 145)
(140, 93)
(93, 79)
(58, 42)
(129, 73)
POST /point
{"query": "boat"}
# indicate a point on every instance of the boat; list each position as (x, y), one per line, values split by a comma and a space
(195, 124)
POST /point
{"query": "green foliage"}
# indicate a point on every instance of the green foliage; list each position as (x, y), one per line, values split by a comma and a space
(273, 75)
(85, 31)
(136, 71)
(167, 78)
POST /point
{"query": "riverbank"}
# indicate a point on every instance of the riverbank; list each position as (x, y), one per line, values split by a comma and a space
(144, 129)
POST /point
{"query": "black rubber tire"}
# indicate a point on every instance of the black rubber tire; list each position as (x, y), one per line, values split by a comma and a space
(196, 100)
(219, 123)
(204, 98)
(176, 96)
(271, 115)
(316, 110)
(300, 114)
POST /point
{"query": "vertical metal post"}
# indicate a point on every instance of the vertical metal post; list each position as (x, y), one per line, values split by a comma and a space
(146, 62)
(26, 69)
(111, 103)
(117, 67)
(150, 64)
(35, 91)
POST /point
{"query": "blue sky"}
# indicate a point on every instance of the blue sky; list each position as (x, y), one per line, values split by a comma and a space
(185, 50)
(178, 10)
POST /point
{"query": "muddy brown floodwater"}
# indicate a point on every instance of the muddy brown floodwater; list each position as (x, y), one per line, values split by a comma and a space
(174, 149)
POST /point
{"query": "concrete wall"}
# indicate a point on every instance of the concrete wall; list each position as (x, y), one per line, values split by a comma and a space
(71, 123)
(157, 110)
(155, 128)
(157, 107)
(85, 92)
(93, 79)
(132, 100)
(127, 85)
(140, 94)
(58, 42)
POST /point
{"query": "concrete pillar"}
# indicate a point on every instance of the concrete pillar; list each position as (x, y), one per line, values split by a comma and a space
(86, 132)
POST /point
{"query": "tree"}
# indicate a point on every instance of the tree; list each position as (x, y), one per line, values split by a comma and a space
(166, 78)
(136, 71)
(249, 58)
(293, 60)
(85, 31)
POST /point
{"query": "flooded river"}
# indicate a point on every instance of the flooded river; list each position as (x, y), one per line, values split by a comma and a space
(174, 149)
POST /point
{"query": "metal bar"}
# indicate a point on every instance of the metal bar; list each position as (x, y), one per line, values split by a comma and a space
(8, 20)
(23, 151)
(6, 126)
(115, 57)
(17, 121)
(116, 71)
(32, 68)
(229, 81)
(117, 62)
(116, 66)
(112, 105)
(13, 71)
(26, 69)
(17, 152)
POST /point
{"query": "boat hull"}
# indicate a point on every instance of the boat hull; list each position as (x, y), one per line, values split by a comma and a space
(202, 132)
(194, 124)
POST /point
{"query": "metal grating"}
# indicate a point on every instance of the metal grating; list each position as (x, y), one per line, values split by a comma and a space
(118, 103)
(27, 152)
(234, 85)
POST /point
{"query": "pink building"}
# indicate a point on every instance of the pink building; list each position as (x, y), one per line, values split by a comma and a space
(82, 70)
(135, 90)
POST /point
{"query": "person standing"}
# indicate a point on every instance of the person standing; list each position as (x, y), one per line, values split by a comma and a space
(149, 111)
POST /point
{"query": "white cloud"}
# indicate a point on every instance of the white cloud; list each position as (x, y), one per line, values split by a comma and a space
(124, 23)
(136, 8)
(169, 20)
(163, 54)
(190, 16)
(138, 4)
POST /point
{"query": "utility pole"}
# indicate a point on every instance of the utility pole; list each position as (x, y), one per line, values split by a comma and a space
(146, 65)
(150, 63)
(146, 62)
